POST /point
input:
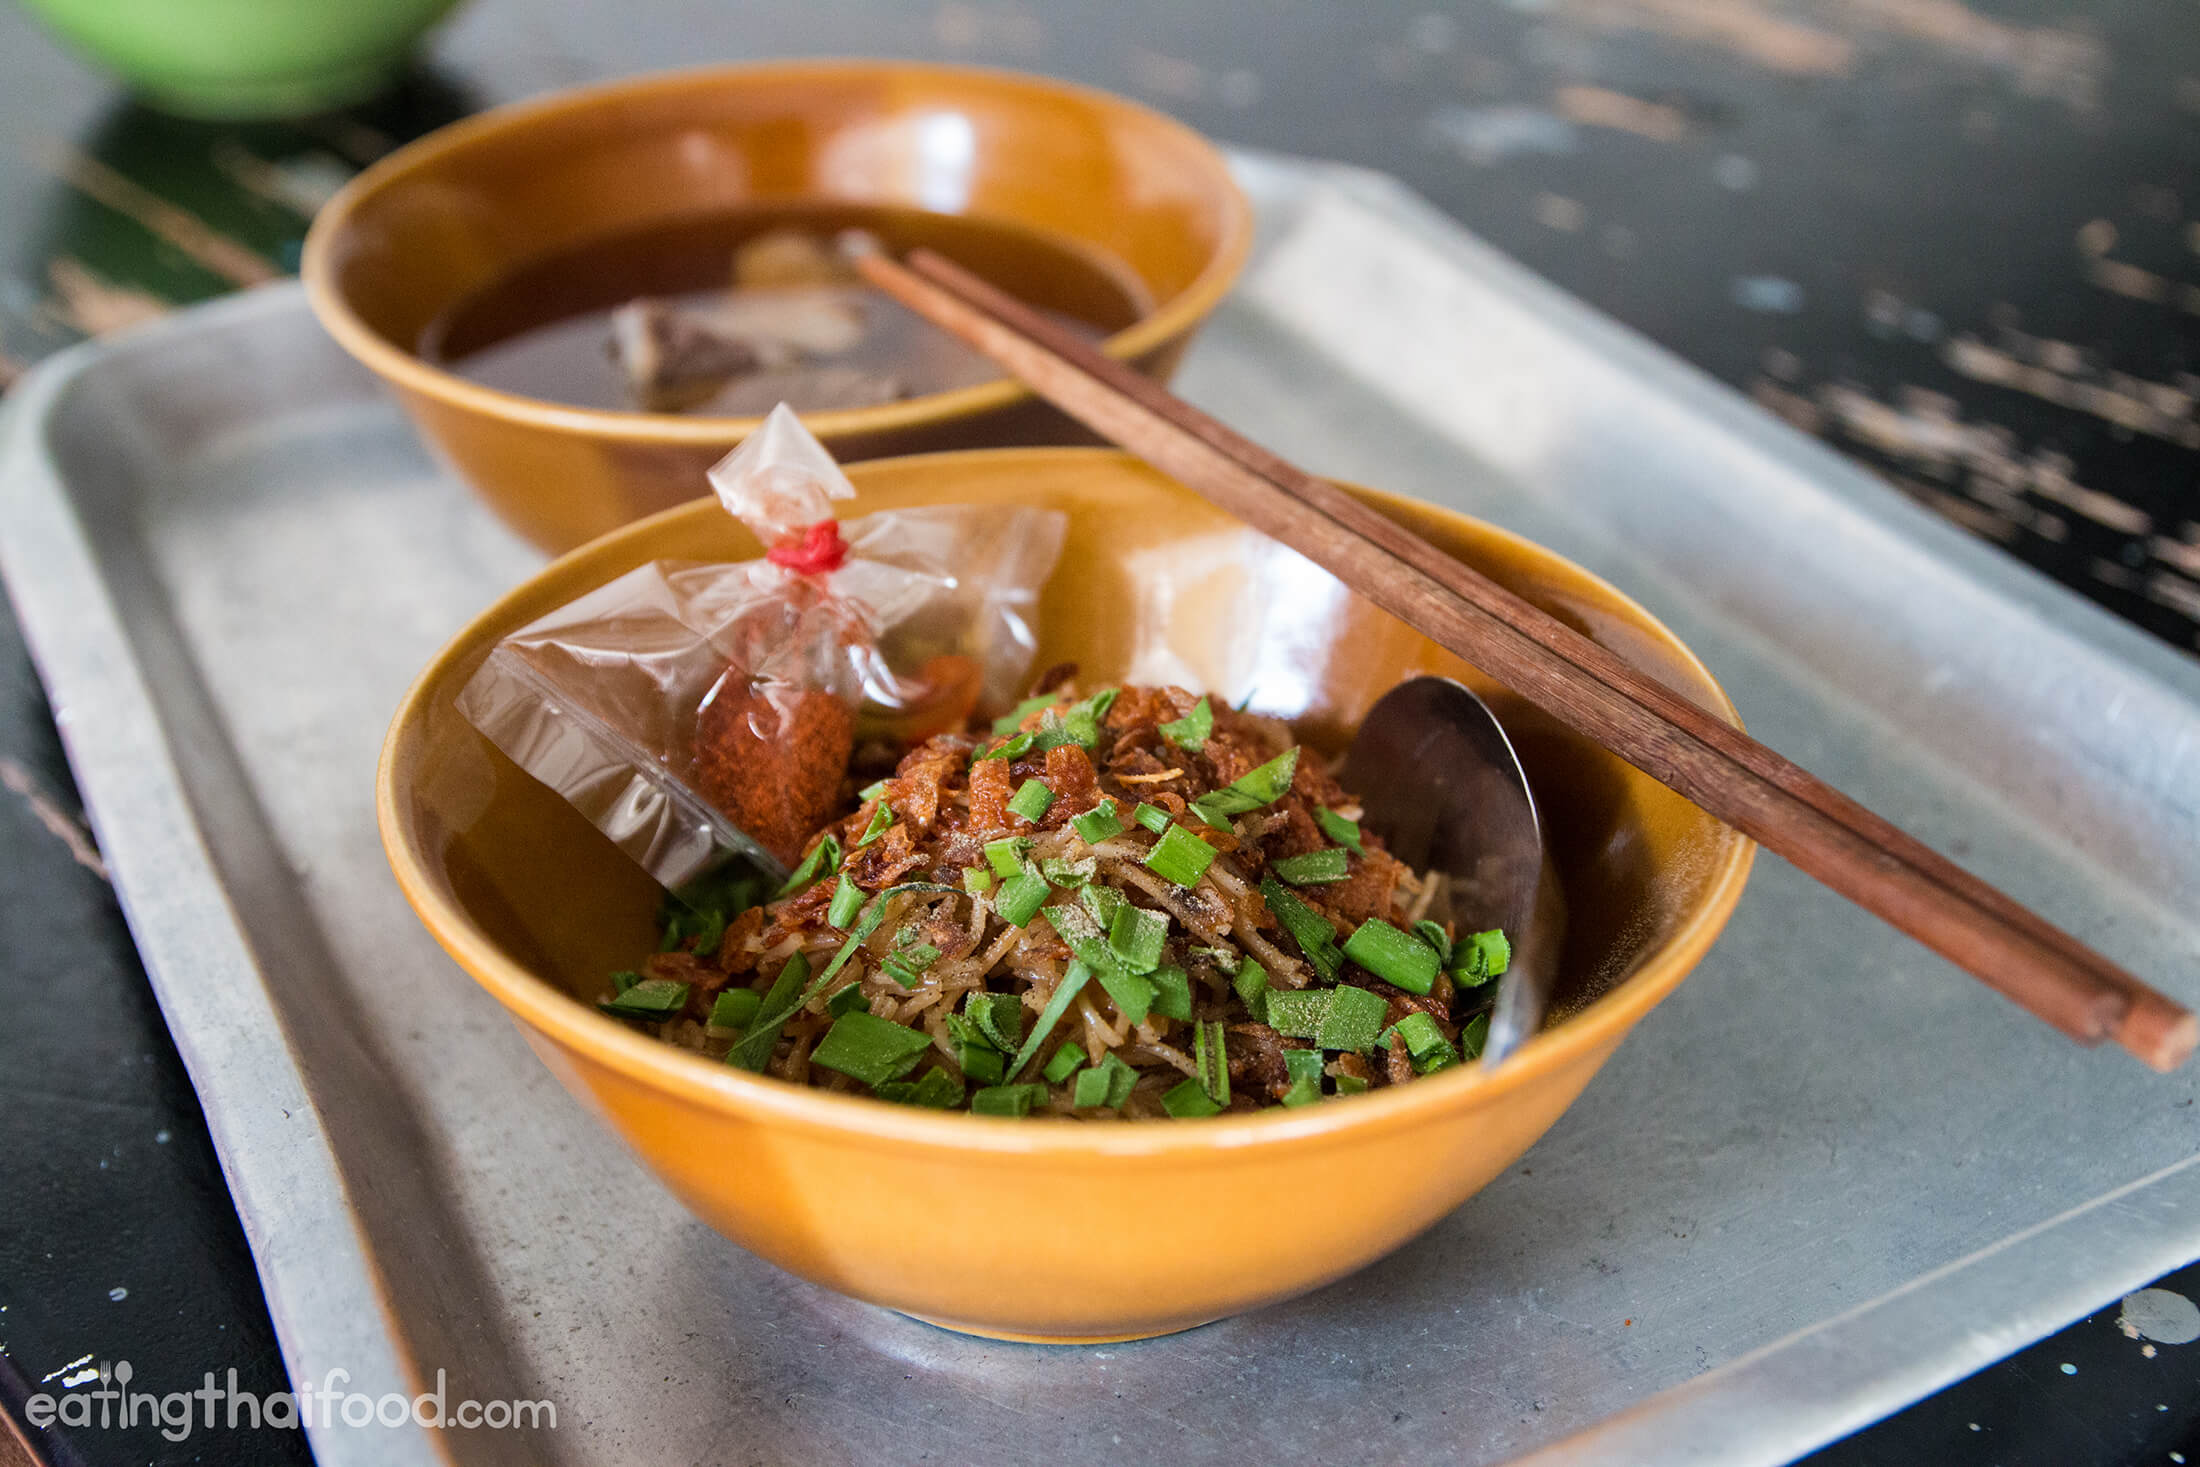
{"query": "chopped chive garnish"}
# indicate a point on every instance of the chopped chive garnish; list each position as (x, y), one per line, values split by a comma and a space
(1136, 936)
(1172, 992)
(868, 1048)
(1189, 1101)
(999, 1017)
(1068, 875)
(652, 998)
(1251, 984)
(977, 880)
(1031, 800)
(938, 1090)
(1021, 897)
(906, 966)
(1108, 1083)
(1436, 1059)
(847, 901)
(1101, 702)
(1007, 1100)
(1191, 732)
(881, 820)
(1015, 748)
(823, 860)
(1098, 824)
(1474, 1036)
(732, 1010)
(872, 791)
(1074, 979)
(1480, 958)
(1250, 791)
(1006, 855)
(847, 999)
(1180, 856)
(1211, 1057)
(755, 1048)
(1308, 928)
(1350, 1085)
(1066, 1062)
(1010, 721)
(1354, 1018)
(1435, 936)
(1304, 1067)
(1153, 817)
(1342, 829)
(1298, 1012)
(1315, 867)
(1420, 1033)
(1101, 902)
(981, 1063)
(1393, 956)
(1133, 994)
(1075, 726)
(621, 982)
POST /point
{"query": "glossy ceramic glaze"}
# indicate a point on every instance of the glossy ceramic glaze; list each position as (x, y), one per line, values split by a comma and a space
(1065, 1230)
(440, 219)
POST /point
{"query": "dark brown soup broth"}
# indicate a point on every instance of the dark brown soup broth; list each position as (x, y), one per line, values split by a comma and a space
(545, 330)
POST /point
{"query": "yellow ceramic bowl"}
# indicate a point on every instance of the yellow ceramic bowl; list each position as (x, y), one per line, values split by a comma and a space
(437, 221)
(1055, 1229)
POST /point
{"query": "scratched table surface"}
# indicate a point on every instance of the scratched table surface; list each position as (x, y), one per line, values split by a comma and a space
(1960, 241)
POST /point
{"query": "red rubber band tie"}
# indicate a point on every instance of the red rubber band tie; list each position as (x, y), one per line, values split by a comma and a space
(818, 552)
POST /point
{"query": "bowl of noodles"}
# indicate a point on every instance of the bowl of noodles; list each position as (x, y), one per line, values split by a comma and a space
(1136, 1142)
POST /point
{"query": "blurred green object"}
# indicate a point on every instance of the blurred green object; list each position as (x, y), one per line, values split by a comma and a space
(235, 59)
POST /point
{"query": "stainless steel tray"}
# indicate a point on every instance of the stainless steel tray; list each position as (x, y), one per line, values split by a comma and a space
(1828, 1176)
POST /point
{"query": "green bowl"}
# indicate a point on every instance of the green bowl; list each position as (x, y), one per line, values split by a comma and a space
(237, 59)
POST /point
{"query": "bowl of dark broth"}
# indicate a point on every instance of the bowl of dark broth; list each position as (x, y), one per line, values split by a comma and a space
(585, 300)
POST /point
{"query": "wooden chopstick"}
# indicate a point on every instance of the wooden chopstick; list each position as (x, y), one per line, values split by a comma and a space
(1721, 769)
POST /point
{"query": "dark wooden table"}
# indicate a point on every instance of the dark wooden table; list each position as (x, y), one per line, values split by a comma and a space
(1962, 242)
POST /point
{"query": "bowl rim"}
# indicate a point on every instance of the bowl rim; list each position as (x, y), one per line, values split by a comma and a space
(644, 1060)
(405, 369)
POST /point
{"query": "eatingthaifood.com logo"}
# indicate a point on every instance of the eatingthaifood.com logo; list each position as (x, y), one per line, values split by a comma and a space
(219, 1405)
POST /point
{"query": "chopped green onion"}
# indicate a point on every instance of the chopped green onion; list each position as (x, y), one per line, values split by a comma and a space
(1021, 897)
(1014, 1101)
(1075, 726)
(1180, 857)
(1393, 956)
(872, 791)
(906, 966)
(868, 1048)
(1015, 748)
(1350, 1085)
(1006, 855)
(1102, 902)
(847, 901)
(1189, 1101)
(882, 819)
(1068, 875)
(1153, 817)
(1251, 984)
(1066, 1062)
(1474, 1036)
(755, 1048)
(621, 982)
(847, 999)
(1308, 928)
(652, 998)
(977, 880)
(1211, 1057)
(1342, 829)
(731, 1012)
(1074, 979)
(1012, 720)
(1191, 732)
(1031, 800)
(1435, 936)
(823, 860)
(1133, 994)
(1136, 937)
(1420, 1033)
(999, 1017)
(1434, 1060)
(938, 1090)
(1101, 702)
(1481, 957)
(1172, 992)
(1314, 868)
(698, 912)
(1304, 1067)
(1108, 1083)
(1250, 791)
(1354, 1018)
(982, 1064)
(1298, 1012)
(1099, 823)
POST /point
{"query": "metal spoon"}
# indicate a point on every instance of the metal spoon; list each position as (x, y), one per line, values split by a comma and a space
(1439, 782)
